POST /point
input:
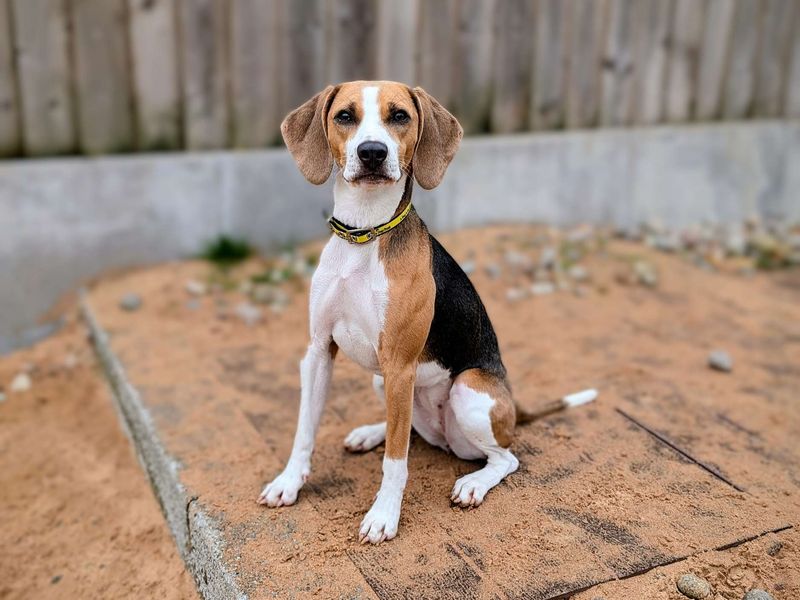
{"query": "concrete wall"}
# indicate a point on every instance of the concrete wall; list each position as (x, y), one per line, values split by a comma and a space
(63, 221)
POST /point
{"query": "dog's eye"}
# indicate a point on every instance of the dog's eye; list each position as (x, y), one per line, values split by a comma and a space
(343, 117)
(400, 117)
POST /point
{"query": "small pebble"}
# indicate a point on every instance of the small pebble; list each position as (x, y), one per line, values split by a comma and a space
(196, 288)
(21, 383)
(492, 270)
(193, 304)
(694, 587)
(720, 360)
(548, 257)
(645, 273)
(542, 288)
(248, 313)
(468, 267)
(55, 579)
(514, 294)
(130, 302)
(578, 273)
(758, 595)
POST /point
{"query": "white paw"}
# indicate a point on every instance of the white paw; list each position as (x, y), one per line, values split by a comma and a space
(469, 490)
(365, 438)
(282, 491)
(380, 523)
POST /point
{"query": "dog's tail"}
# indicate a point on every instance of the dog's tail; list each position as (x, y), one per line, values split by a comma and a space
(568, 401)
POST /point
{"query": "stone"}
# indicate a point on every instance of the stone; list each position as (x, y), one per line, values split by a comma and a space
(468, 267)
(692, 586)
(248, 313)
(548, 257)
(542, 288)
(196, 288)
(515, 294)
(578, 273)
(756, 594)
(645, 273)
(21, 383)
(493, 270)
(720, 360)
(130, 302)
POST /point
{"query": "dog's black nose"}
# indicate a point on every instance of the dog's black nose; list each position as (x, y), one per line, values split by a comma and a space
(372, 154)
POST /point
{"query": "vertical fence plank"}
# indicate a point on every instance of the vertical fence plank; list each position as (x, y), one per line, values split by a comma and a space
(156, 79)
(682, 69)
(255, 74)
(40, 28)
(618, 64)
(303, 50)
(436, 27)
(792, 104)
(549, 66)
(396, 40)
(773, 57)
(10, 139)
(105, 109)
(352, 51)
(586, 26)
(472, 87)
(513, 57)
(737, 97)
(204, 36)
(655, 25)
(716, 41)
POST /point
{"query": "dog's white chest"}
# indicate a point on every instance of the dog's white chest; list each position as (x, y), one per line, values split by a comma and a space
(349, 294)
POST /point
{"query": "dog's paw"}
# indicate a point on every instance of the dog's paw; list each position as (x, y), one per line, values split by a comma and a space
(282, 491)
(380, 523)
(365, 438)
(469, 490)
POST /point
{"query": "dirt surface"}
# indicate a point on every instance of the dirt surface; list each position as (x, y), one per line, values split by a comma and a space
(675, 468)
(78, 517)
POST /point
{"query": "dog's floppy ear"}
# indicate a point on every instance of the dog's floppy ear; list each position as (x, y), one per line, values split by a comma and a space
(305, 132)
(437, 141)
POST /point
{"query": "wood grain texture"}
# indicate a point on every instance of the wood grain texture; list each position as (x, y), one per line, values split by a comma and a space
(777, 34)
(303, 50)
(586, 26)
(713, 58)
(396, 41)
(474, 42)
(513, 57)
(156, 77)
(102, 76)
(40, 38)
(739, 89)
(255, 74)
(436, 30)
(618, 65)
(352, 34)
(652, 51)
(548, 93)
(10, 132)
(682, 68)
(204, 37)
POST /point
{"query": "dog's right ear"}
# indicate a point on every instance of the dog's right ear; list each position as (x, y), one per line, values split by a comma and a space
(305, 132)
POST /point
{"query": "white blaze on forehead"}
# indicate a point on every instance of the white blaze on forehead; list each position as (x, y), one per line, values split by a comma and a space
(371, 129)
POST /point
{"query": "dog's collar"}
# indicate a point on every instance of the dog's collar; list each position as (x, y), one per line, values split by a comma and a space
(363, 236)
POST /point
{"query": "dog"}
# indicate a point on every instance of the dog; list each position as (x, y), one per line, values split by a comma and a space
(388, 295)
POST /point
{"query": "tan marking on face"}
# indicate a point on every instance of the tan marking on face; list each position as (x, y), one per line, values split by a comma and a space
(392, 97)
(406, 256)
(503, 413)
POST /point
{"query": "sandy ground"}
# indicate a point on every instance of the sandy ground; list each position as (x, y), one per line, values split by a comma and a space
(597, 498)
(78, 517)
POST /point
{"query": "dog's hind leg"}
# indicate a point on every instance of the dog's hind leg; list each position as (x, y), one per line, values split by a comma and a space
(479, 424)
(367, 437)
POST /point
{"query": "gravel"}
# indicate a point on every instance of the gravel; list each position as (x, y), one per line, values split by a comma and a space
(719, 360)
(757, 594)
(130, 302)
(692, 586)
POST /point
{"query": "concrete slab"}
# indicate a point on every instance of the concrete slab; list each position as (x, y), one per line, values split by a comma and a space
(599, 496)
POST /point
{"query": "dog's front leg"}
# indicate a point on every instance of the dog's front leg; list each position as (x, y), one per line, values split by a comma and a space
(315, 377)
(380, 523)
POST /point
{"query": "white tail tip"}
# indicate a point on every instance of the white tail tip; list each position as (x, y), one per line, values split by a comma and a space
(578, 398)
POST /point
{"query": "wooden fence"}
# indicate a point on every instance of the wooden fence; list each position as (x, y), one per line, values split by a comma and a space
(99, 76)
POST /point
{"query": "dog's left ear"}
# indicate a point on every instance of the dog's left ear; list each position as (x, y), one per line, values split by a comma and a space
(305, 132)
(437, 141)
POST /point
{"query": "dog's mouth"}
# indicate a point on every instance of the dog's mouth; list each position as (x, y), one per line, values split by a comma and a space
(373, 179)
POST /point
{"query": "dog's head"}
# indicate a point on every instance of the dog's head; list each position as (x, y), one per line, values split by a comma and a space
(375, 131)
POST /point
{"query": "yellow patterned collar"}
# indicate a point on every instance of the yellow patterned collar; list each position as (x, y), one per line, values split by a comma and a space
(363, 236)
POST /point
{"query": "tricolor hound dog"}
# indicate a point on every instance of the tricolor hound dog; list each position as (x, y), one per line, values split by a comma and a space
(392, 299)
